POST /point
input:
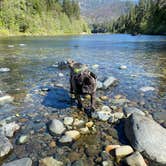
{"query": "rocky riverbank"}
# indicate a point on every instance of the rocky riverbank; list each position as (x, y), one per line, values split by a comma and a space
(55, 134)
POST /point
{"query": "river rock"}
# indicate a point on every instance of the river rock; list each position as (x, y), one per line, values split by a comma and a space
(130, 110)
(6, 99)
(74, 134)
(89, 124)
(99, 85)
(65, 139)
(50, 161)
(159, 115)
(146, 135)
(68, 121)
(104, 115)
(110, 81)
(122, 67)
(147, 88)
(84, 130)
(123, 151)
(78, 123)
(20, 162)
(4, 69)
(108, 163)
(9, 129)
(5, 145)
(135, 159)
(23, 139)
(56, 127)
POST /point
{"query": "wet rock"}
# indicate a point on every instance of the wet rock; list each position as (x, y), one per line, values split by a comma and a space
(110, 81)
(65, 139)
(9, 129)
(61, 75)
(50, 161)
(56, 127)
(4, 69)
(68, 121)
(78, 123)
(74, 134)
(6, 99)
(135, 159)
(104, 115)
(84, 130)
(146, 135)
(23, 139)
(122, 67)
(147, 88)
(123, 151)
(159, 115)
(52, 144)
(89, 124)
(104, 98)
(5, 145)
(108, 163)
(20, 162)
(130, 110)
(78, 163)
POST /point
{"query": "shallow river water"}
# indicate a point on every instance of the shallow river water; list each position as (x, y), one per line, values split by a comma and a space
(32, 63)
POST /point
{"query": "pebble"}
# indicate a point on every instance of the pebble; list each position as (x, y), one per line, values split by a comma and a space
(65, 139)
(104, 98)
(20, 162)
(122, 67)
(84, 130)
(78, 123)
(74, 134)
(52, 144)
(135, 159)
(68, 121)
(56, 127)
(123, 151)
(50, 161)
(89, 124)
(61, 75)
(23, 139)
(107, 163)
(6, 99)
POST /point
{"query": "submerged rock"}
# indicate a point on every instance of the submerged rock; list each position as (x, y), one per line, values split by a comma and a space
(23, 139)
(74, 134)
(147, 88)
(9, 129)
(68, 121)
(122, 67)
(50, 161)
(5, 145)
(56, 127)
(65, 139)
(146, 135)
(135, 159)
(110, 81)
(4, 69)
(20, 162)
(6, 99)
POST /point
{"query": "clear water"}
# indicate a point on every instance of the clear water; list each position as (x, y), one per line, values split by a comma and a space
(31, 64)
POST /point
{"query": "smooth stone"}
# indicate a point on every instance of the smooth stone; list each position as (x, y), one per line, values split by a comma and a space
(108, 163)
(147, 88)
(9, 129)
(122, 67)
(5, 145)
(135, 159)
(104, 115)
(20, 162)
(104, 98)
(4, 69)
(130, 110)
(50, 161)
(61, 75)
(23, 139)
(65, 139)
(89, 124)
(78, 123)
(147, 135)
(110, 81)
(74, 134)
(123, 151)
(84, 130)
(106, 108)
(99, 85)
(57, 127)
(68, 121)
(159, 115)
(6, 99)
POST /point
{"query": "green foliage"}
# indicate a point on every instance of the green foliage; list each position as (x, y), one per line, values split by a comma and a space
(147, 17)
(40, 17)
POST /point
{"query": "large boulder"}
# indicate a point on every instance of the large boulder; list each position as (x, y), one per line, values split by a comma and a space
(20, 162)
(146, 135)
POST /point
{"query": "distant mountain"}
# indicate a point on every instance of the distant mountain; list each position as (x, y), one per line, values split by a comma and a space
(99, 11)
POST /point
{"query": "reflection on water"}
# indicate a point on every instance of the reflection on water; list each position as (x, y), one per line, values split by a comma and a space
(30, 64)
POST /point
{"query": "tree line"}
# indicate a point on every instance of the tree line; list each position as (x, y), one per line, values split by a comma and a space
(146, 17)
(39, 16)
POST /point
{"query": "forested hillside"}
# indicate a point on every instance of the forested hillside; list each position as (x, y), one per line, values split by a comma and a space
(41, 17)
(99, 11)
(147, 17)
